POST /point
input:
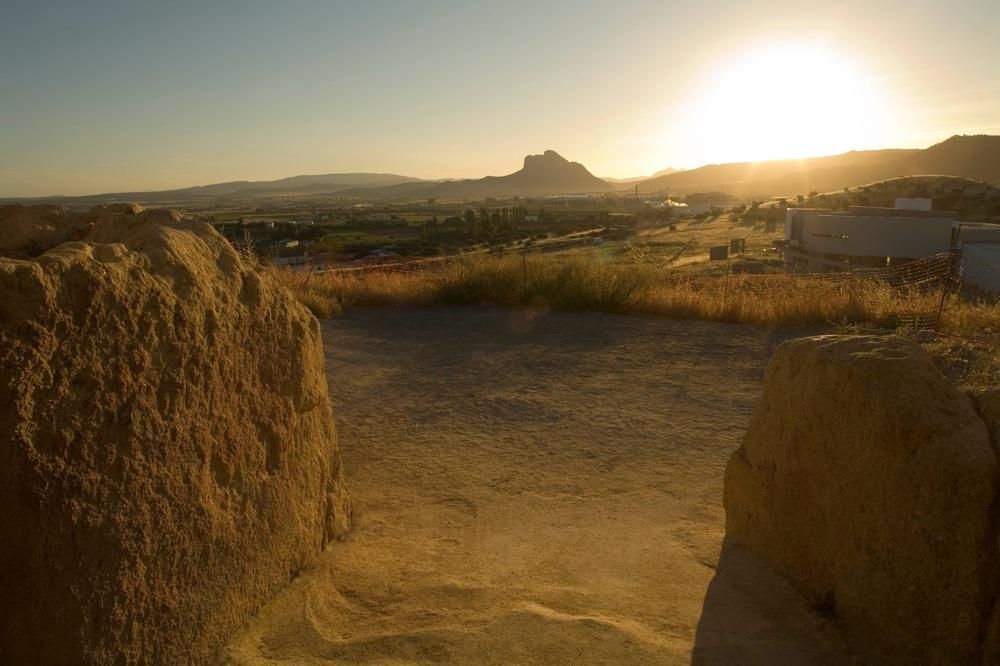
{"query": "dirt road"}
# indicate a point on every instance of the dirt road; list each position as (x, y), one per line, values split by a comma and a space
(538, 488)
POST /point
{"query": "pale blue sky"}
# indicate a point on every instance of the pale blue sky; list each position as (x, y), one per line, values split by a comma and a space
(104, 96)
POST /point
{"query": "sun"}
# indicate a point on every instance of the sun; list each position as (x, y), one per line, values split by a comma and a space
(783, 100)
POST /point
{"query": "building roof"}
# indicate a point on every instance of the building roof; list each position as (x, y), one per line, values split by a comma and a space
(877, 211)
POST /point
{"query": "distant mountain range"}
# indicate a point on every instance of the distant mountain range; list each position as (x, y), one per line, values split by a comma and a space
(636, 179)
(548, 173)
(247, 189)
(974, 157)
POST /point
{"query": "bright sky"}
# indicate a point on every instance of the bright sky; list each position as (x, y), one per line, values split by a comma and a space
(103, 96)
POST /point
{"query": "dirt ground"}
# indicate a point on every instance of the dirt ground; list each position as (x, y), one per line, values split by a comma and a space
(538, 488)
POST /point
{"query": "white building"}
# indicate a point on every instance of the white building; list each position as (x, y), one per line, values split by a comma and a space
(907, 203)
(821, 240)
(980, 267)
(690, 210)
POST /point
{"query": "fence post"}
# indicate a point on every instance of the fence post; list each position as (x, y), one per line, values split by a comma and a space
(524, 275)
(944, 293)
(952, 265)
(725, 287)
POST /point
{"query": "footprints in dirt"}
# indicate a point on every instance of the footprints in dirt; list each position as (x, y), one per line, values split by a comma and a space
(460, 504)
(459, 624)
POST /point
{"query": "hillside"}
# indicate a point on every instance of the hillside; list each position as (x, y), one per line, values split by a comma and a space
(245, 189)
(636, 179)
(973, 157)
(971, 199)
(548, 173)
(333, 182)
(976, 157)
(775, 177)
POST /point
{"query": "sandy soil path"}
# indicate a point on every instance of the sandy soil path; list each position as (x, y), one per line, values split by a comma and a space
(538, 488)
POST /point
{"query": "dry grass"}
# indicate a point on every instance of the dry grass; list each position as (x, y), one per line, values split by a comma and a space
(560, 284)
(786, 301)
(580, 284)
(967, 342)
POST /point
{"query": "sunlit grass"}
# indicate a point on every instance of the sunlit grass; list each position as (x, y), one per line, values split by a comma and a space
(580, 284)
(966, 342)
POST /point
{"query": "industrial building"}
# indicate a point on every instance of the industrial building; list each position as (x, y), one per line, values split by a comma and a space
(823, 240)
(979, 270)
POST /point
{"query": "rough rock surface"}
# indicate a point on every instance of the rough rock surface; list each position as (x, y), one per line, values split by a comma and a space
(988, 406)
(168, 458)
(869, 480)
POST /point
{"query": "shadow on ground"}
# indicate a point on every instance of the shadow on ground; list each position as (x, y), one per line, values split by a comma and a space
(752, 616)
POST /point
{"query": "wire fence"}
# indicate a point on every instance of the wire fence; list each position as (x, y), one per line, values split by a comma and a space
(911, 295)
(402, 265)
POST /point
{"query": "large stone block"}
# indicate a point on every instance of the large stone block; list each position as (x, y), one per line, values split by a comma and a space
(987, 403)
(869, 479)
(168, 458)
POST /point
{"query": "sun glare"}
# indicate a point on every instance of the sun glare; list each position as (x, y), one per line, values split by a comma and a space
(784, 101)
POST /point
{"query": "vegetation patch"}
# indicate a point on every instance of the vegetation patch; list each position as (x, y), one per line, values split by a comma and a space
(966, 332)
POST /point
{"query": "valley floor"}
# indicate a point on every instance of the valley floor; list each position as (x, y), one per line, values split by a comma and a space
(538, 488)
